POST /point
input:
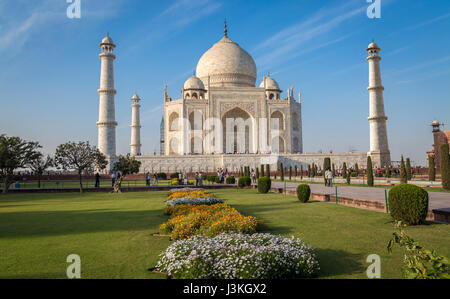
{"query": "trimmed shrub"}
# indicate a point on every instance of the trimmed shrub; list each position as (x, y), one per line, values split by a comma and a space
(445, 166)
(403, 176)
(303, 193)
(231, 180)
(409, 204)
(244, 181)
(262, 171)
(267, 170)
(282, 171)
(264, 185)
(174, 176)
(296, 171)
(257, 173)
(431, 169)
(344, 170)
(408, 169)
(369, 172)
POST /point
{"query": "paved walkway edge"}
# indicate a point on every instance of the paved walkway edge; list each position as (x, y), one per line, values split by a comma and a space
(378, 206)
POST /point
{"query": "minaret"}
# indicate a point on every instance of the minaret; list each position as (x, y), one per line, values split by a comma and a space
(135, 146)
(379, 146)
(107, 116)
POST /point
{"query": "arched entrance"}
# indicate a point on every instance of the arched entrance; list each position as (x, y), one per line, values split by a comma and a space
(237, 132)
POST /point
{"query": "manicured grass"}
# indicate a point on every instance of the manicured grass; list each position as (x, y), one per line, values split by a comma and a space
(113, 233)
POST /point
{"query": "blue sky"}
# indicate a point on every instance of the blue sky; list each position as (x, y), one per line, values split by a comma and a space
(49, 64)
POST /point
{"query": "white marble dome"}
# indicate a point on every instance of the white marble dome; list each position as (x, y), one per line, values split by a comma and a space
(227, 64)
(107, 40)
(373, 46)
(270, 84)
(194, 83)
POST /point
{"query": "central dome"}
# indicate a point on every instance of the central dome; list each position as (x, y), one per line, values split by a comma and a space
(227, 64)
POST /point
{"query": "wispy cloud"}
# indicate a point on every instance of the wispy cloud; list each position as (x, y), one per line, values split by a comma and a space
(174, 18)
(420, 66)
(423, 24)
(285, 45)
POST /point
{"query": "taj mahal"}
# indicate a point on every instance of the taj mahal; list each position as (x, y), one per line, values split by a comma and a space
(224, 119)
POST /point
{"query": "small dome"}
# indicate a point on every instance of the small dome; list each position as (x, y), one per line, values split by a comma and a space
(194, 83)
(135, 98)
(107, 41)
(270, 84)
(373, 46)
(435, 123)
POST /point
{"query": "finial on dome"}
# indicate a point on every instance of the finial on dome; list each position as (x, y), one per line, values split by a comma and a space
(225, 31)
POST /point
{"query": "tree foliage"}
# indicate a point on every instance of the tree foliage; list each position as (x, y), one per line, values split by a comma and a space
(40, 164)
(79, 157)
(369, 172)
(445, 166)
(431, 169)
(15, 153)
(126, 165)
(403, 176)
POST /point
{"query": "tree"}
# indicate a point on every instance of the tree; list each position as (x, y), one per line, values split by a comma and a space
(126, 165)
(357, 168)
(301, 172)
(40, 164)
(403, 171)
(296, 171)
(334, 170)
(369, 172)
(445, 166)
(431, 169)
(15, 153)
(257, 172)
(344, 170)
(282, 171)
(80, 157)
(388, 171)
(268, 170)
(408, 169)
(262, 171)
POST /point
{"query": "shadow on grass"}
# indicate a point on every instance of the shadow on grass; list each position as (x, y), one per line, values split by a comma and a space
(51, 223)
(337, 262)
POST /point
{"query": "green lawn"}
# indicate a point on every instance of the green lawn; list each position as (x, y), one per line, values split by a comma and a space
(113, 233)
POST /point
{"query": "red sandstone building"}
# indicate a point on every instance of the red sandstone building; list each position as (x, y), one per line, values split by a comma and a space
(440, 137)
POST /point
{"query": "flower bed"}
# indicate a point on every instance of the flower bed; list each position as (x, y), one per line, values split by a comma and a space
(189, 220)
(193, 201)
(239, 256)
(186, 193)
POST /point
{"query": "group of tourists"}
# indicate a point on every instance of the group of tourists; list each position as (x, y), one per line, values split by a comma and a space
(148, 179)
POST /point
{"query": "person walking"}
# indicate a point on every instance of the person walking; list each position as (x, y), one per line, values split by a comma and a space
(148, 179)
(155, 179)
(253, 177)
(97, 180)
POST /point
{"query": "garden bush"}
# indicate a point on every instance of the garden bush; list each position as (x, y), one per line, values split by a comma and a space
(264, 185)
(408, 203)
(238, 256)
(162, 176)
(244, 181)
(174, 176)
(189, 220)
(303, 193)
(231, 180)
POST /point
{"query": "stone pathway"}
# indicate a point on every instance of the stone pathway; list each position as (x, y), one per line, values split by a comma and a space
(438, 200)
